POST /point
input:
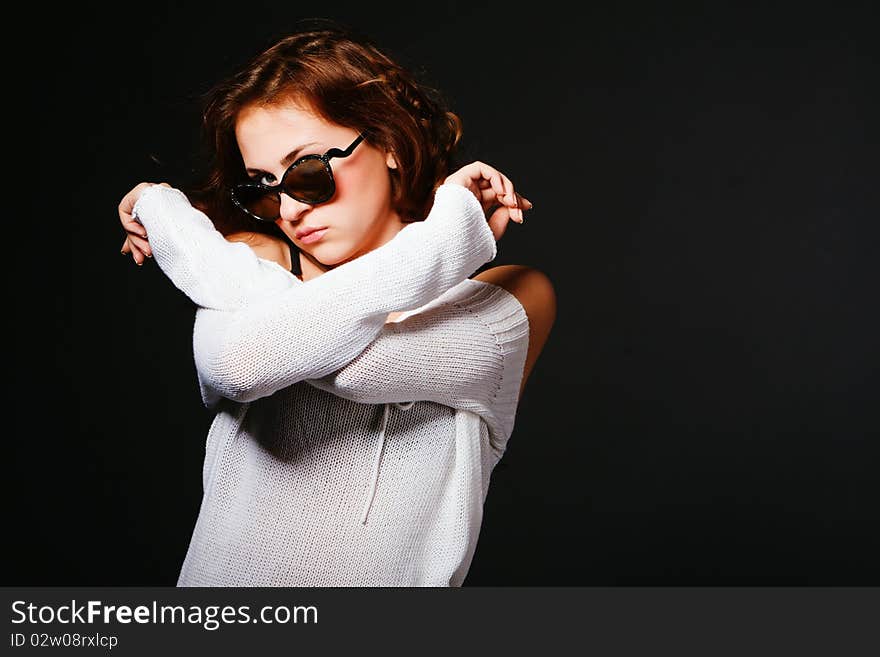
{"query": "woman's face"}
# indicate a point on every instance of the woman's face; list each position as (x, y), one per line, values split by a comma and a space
(359, 216)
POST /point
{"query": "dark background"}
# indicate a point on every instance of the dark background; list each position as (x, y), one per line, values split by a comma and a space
(705, 181)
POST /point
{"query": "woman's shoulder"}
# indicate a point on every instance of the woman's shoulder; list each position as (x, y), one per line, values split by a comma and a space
(265, 246)
(531, 286)
(536, 294)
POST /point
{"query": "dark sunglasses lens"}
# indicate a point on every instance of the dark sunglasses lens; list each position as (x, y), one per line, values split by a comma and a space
(258, 201)
(309, 182)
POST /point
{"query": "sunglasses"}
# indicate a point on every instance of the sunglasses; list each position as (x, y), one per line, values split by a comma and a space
(308, 180)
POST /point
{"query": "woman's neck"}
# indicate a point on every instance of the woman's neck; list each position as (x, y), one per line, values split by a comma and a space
(310, 267)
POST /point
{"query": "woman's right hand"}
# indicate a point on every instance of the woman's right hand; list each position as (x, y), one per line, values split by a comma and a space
(136, 235)
(492, 188)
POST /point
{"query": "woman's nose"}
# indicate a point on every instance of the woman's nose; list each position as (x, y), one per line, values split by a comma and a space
(291, 209)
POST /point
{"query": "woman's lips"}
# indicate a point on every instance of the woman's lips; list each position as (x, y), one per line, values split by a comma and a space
(313, 236)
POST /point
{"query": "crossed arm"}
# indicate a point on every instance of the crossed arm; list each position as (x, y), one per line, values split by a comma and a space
(259, 329)
(531, 288)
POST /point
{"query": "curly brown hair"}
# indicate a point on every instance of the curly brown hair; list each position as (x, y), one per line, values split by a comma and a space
(347, 80)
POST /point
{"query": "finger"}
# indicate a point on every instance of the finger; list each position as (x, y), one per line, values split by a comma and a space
(511, 200)
(502, 185)
(489, 200)
(523, 204)
(136, 254)
(128, 247)
(130, 224)
(491, 174)
(498, 222)
(515, 214)
(498, 184)
(141, 244)
(485, 191)
(510, 196)
(509, 193)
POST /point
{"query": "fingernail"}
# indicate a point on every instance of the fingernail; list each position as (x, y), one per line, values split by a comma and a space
(140, 264)
(122, 252)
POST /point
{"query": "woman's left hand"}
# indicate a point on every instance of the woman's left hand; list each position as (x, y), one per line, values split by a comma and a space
(136, 235)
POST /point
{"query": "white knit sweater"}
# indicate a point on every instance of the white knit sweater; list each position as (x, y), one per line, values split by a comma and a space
(345, 451)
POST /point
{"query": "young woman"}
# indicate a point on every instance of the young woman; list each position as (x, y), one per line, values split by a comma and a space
(364, 385)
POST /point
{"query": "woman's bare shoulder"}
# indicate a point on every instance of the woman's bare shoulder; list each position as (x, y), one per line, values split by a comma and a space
(532, 288)
(265, 246)
(537, 295)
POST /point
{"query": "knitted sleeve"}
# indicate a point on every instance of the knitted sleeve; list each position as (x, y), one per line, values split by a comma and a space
(467, 350)
(259, 329)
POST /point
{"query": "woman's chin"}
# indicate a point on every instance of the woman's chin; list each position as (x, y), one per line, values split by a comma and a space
(328, 255)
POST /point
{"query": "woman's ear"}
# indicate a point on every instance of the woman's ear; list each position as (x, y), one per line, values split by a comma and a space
(390, 161)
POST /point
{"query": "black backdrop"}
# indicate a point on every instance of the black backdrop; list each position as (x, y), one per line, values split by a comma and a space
(706, 203)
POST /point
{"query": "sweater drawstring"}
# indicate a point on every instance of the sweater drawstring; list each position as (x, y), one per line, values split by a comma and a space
(371, 494)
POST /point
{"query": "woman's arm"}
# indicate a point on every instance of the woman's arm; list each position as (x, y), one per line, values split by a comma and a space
(211, 270)
(259, 329)
(466, 350)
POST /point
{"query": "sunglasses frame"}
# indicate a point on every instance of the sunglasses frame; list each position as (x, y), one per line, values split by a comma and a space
(277, 189)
